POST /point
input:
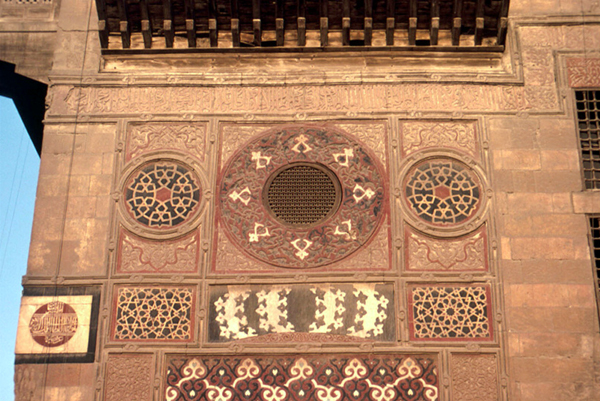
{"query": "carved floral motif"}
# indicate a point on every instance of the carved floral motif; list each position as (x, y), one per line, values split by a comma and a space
(140, 255)
(128, 377)
(147, 137)
(310, 377)
(583, 72)
(421, 135)
(466, 253)
(474, 377)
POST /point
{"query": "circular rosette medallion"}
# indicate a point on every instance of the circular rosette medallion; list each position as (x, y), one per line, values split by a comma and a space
(162, 195)
(302, 197)
(443, 192)
(53, 324)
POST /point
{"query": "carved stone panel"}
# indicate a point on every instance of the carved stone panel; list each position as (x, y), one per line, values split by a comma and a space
(299, 197)
(140, 255)
(185, 137)
(129, 377)
(468, 253)
(584, 72)
(308, 377)
(164, 314)
(422, 135)
(324, 312)
(54, 325)
(450, 312)
(474, 377)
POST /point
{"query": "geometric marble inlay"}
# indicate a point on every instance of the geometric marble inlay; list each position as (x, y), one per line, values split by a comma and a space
(442, 192)
(474, 377)
(308, 377)
(466, 253)
(273, 214)
(361, 311)
(153, 314)
(162, 194)
(450, 313)
(54, 324)
(140, 255)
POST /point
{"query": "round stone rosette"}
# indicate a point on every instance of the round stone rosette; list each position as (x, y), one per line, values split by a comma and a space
(302, 197)
(53, 324)
(161, 197)
(443, 193)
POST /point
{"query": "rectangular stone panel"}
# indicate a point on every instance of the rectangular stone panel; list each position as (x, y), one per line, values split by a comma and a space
(54, 325)
(129, 377)
(152, 313)
(474, 377)
(339, 377)
(57, 325)
(450, 312)
(320, 312)
(468, 253)
(184, 137)
(141, 255)
(418, 136)
(583, 72)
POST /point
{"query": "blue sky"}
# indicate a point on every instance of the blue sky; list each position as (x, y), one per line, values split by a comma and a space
(19, 165)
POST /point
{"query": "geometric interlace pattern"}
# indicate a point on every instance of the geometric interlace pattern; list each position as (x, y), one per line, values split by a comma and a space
(443, 192)
(450, 312)
(162, 195)
(153, 314)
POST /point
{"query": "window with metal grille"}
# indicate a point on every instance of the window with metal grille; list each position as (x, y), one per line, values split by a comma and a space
(595, 246)
(588, 116)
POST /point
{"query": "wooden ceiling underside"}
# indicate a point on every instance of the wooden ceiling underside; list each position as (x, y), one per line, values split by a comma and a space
(294, 25)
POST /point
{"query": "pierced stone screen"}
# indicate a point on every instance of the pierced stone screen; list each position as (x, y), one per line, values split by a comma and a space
(302, 195)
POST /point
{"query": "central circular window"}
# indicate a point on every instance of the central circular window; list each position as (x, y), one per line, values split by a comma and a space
(302, 194)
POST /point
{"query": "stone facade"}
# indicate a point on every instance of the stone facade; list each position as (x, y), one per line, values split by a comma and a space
(455, 265)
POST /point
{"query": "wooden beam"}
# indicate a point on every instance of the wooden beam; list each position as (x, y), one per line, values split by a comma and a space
(235, 24)
(279, 23)
(390, 22)
(190, 23)
(435, 23)
(479, 22)
(457, 22)
(124, 25)
(324, 22)
(102, 23)
(146, 24)
(256, 23)
(301, 22)
(502, 23)
(368, 26)
(213, 29)
(412, 23)
(168, 27)
(346, 22)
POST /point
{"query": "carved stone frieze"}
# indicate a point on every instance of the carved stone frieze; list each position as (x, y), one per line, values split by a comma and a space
(295, 99)
(474, 377)
(466, 253)
(307, 377)
(128, 377)
(141, 255)
(422, 135)
(583, 72)
(186, 137)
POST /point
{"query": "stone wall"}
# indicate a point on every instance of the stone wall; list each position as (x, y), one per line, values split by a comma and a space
(488, 297)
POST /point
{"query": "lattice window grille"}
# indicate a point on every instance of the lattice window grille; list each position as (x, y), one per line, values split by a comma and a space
(588, 116)
(595, 248)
